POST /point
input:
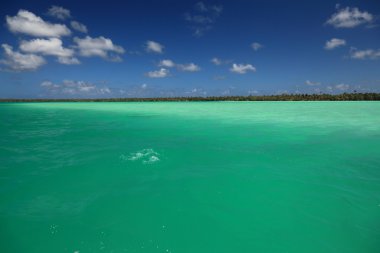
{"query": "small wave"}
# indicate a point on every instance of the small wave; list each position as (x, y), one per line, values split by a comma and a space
(146, 156)
(152, 159)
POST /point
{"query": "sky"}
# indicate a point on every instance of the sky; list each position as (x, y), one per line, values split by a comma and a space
(146, 48)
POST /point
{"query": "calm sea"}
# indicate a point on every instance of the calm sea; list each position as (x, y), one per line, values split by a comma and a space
(234, 177)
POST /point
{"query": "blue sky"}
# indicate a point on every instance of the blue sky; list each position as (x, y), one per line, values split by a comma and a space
(187, 48)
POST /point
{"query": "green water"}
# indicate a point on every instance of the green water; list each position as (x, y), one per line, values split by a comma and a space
(190, 177)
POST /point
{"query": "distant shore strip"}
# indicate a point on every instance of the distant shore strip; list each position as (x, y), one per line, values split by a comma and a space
(282, 97)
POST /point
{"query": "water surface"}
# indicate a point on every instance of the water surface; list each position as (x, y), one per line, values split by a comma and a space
(190, 177)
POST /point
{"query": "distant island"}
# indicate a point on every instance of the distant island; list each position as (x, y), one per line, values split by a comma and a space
(282, 97)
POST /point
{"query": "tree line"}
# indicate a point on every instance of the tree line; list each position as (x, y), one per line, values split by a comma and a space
(281, 97)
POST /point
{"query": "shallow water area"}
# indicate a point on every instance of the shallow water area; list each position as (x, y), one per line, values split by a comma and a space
(190, 177)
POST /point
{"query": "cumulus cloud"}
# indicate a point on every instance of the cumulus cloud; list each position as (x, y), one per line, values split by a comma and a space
(74, 88)
(59, 12)
(17, 61)
(78, 27)
(190, 67)
(68, 60)
(334, 43)
(154, 47)
(49, 85)
(166, 63)
(256, 46)
(51, 46)
(102, 47)
(203, 17)
(241, 68)
(349, 18)
(368, 54)
(161, 73)
(26, 22)
(310, 83)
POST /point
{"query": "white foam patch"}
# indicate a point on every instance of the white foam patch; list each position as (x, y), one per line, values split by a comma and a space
(146, 156)
(152, 159)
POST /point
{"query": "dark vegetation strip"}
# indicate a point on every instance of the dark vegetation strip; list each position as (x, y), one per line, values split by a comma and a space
(283, 97)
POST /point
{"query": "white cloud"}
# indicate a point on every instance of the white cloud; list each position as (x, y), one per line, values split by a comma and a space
(203, 17)
(310, 83)
(241, 68)
(105, 90)
(20, 62)
(349, 18)
(166, 63)
(162, 72)
(342, 86)
(49, 85)
(74, 88)
(78, 26)
(51, 46)
(190, 67)
(102, 47)
(68, 60)
(59, 12)
(154, 47)
(26, 22)
(334, 43)
(144, 86)
(368, 54)
(256, 46)
(216, 61)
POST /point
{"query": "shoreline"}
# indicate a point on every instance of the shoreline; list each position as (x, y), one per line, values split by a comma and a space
(283, 97)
